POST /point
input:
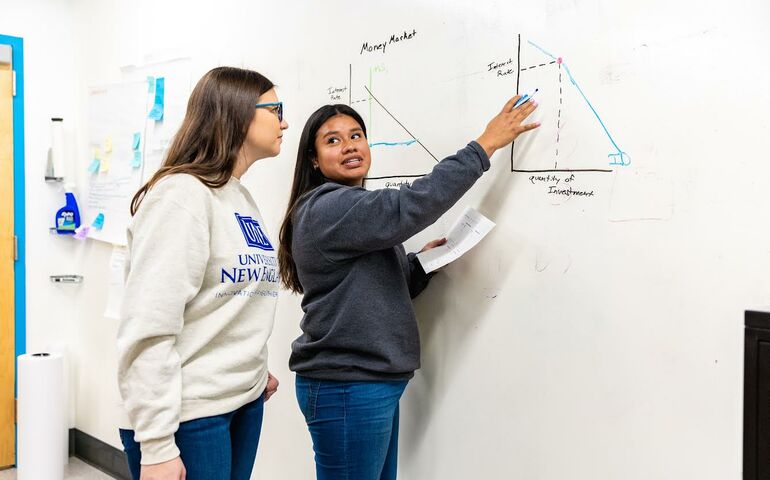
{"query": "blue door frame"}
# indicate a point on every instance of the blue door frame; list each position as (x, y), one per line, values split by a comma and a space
(19, 223)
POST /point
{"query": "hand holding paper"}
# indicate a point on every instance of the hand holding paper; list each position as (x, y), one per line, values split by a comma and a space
(467, 231)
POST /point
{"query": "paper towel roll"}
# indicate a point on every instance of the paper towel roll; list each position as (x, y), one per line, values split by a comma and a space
(41, 418)
(69, 410)
(57, 147)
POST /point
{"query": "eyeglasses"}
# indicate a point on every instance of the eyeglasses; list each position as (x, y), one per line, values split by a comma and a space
(278, 111)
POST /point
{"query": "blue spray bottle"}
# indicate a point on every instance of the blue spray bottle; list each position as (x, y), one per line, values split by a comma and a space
(68, 217)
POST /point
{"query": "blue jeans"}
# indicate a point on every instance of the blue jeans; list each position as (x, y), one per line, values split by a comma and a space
(222, 447)
(354, 427)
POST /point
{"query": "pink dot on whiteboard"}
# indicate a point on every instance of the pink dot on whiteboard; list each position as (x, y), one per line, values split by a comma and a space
(559, 60)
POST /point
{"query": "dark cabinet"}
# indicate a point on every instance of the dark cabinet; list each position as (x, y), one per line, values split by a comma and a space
(756, 397)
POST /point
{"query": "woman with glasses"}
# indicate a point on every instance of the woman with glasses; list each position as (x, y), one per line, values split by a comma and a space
(201, 289)
(340, 246)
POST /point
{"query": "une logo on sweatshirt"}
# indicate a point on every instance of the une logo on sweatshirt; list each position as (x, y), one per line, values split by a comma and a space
(253, 233)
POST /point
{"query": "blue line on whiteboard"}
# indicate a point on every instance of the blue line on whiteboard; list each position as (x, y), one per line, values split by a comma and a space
(393, 144)
(619, 158)
(541, 49)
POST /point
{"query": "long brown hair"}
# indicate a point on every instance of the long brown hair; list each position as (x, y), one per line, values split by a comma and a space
(219, 112)
(306, 178)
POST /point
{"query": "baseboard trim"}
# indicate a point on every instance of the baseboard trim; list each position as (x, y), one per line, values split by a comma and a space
(101, 455)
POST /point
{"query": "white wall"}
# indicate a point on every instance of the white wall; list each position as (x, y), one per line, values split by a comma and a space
(50, 79)
(68, 47)
(655, 394)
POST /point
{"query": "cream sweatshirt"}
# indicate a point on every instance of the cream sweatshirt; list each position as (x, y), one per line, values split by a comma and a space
(200, 295)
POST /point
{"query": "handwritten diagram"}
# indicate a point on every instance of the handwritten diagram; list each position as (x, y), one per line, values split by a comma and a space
(416, 115)
(554, 74)
(400, 154)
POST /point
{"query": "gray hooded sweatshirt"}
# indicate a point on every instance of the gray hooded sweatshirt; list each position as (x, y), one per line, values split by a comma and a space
(359, 324)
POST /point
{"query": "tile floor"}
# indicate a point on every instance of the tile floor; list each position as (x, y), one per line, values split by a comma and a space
(76, 470)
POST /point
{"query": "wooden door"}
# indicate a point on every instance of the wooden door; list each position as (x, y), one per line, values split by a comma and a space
(7, 254)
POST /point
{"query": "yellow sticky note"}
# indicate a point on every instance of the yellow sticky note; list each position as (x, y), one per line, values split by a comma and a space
(108, 145)
(104, 167)
(97, 154)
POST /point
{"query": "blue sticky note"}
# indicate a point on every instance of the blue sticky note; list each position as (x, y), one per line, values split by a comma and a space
(150, 84)
(137, 161)
(137, 140)
(157, 109)
(98, 222)
(95, 164)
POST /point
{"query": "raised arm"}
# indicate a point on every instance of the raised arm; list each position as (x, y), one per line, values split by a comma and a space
(349, 221)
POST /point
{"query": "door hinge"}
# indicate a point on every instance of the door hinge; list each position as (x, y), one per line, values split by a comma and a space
(13, 77)
(15, 248)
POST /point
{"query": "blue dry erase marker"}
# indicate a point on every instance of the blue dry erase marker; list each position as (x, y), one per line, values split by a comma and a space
(525, 98)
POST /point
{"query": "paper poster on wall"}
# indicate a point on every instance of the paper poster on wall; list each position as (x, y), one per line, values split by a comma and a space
(116, 113)
(127, 144)
(165, 109)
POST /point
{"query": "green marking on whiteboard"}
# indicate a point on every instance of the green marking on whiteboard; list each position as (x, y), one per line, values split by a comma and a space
(371, 120)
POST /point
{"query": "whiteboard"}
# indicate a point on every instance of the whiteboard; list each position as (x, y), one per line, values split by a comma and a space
(596, 331)
(588, 336)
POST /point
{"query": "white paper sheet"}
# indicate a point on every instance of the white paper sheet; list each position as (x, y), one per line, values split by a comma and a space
(467, 231)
